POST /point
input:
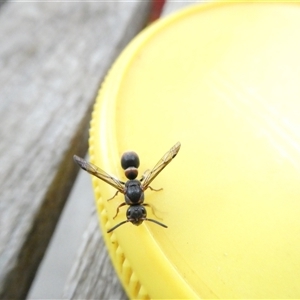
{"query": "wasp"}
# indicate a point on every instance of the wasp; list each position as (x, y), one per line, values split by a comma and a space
(133, 189)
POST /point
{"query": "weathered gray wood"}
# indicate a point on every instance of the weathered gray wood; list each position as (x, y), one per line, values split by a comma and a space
(53, 56)
(92, 275)
(173, 6)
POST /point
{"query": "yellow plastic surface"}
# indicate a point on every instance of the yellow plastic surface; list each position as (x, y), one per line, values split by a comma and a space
(224, 80)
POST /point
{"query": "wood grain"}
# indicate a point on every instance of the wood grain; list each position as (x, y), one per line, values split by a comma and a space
(53, 56)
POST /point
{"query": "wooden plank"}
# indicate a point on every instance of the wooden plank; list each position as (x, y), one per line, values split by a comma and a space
(53, 56)
(173, 6)
(92, 275)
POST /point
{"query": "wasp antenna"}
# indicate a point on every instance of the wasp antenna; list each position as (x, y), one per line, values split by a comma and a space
(154, 221)
(110, 230)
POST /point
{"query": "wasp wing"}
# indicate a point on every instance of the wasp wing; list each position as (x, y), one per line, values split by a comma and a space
(163, 162)
(94, 170)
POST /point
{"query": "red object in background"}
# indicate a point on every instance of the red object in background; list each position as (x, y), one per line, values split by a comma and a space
(157, 6)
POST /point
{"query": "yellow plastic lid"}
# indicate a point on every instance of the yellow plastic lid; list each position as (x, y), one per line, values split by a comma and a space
(223, 79)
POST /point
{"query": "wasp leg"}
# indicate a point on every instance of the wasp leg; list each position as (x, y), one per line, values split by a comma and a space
(118, 208)
(156, 190)
(113, 196)
(152, 208)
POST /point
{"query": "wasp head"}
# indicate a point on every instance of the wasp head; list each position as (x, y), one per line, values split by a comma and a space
(136, 214)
